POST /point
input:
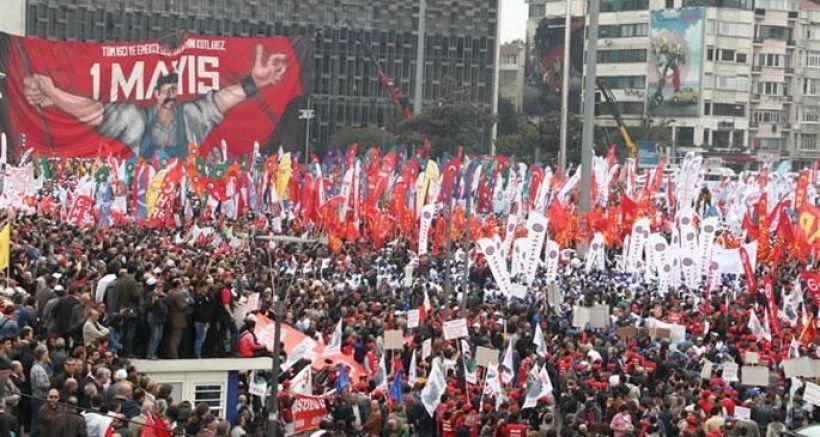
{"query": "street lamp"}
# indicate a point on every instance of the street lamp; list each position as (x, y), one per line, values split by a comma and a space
(307, 114)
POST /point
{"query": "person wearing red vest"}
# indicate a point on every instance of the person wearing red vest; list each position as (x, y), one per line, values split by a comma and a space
(248, 346)
(513, 428)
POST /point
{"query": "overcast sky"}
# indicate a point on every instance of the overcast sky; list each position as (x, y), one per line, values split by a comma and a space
(513, 20)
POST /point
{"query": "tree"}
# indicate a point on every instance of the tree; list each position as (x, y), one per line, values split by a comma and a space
(366, 136)
(509, 120)
(454, 121)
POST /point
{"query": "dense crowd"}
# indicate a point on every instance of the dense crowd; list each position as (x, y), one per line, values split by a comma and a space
(78, 304)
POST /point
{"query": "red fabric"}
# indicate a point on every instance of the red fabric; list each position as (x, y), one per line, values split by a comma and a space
(222, 61)
(225, 296)
(247, 344)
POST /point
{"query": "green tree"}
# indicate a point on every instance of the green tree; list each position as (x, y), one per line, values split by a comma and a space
(509, 120)
(454, 121)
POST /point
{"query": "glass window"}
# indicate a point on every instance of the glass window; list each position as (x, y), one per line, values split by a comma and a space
(809, 142)
(727, 55)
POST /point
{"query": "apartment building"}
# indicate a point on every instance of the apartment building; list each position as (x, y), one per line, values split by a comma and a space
(756, 99)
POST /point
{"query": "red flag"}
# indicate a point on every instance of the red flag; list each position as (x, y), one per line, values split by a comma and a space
(762, 228)
(768, 289)
(748, 271)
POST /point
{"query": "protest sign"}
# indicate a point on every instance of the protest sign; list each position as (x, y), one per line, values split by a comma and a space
(755, 375)
(484, 356)
(393, 340)
(454, 329)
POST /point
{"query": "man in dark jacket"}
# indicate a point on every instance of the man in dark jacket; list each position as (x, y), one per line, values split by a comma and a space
(67, 421)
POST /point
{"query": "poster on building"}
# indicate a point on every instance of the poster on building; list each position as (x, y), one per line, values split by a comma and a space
(75, 99)
(675, 62)
(543, 78)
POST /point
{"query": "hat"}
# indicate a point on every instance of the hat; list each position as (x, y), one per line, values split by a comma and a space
(59, 287)
(151, 280)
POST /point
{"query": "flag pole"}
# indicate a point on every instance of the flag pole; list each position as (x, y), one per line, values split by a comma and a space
(484, 386)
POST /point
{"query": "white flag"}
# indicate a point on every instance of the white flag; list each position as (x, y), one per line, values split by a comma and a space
(470, 373)
(412, 374)
(335, 344)
(755, 326)
(302, 383)
(492, 381)
(538, 386)
(433, 389)
(381, 377)
(507, 373)
(538, 341)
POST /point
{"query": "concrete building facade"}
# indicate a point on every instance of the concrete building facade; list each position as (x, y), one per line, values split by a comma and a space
(760, 87)
(459, 43)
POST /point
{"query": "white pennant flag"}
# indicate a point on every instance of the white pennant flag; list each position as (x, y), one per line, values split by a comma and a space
(492, 381)
(470, 368)
(433, 389)
(381, 377)
(538, 386)
(755, 326)
(425, 220)
(412, 374)
(538, 341)
(507, 373)
(335, 344)
(302, 383)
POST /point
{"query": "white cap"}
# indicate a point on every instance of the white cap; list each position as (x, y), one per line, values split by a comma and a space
(120, 375)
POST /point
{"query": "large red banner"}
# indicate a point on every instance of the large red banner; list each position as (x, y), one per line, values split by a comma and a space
(308, 412)
(73, 99)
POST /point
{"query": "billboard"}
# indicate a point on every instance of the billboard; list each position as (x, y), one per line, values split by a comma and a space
(675, 62)
(73, 99)
(542, 88)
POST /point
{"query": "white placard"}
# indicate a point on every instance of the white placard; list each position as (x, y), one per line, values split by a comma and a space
(812, 394)
(413, 319)
(751, 358)
(756, 376)
(599, 316)
(791, 369)
(258, 389)
(580, 317)
(706, 371)
(426, 348)
(454, 329)
(253, 302)
(743, 413)
(730, 372)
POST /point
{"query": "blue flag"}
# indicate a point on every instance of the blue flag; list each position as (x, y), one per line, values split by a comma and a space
(395, 388)
(342, 381)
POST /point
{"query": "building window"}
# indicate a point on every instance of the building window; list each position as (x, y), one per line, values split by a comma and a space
(811, 87)
(812, 59)
(808, 142)
(771, 60)
(763, 116)
(670, 4)
(710, 54)
(771, 143)
(770, 88)
(732, 83)
(727, 55)
(778, 5)
(711, 25)
(729, 28)
(624, 82)
(210, 394)
(538, 11)
(813, 31)
(740, 58)
(810, 115)
(779, 33)
(623, 30)
(626, 108)
(736, 4)
(728, 109)
(621, 56)
(624, 5)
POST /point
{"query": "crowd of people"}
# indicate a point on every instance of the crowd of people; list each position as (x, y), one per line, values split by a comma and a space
(80, 303)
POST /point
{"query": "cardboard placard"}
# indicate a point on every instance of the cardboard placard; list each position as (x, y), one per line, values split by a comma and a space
(627, 332)
(743, 413)
(790, 368)
(812, 394)
(485, 356)
(660, 333)
(706, 371)
(755, 375)
(426, 348)
(413, 318)
(599, 316)
(454, 329)
(730, 370)
(805, 367)
(253, 302)
(751, 358)
(580, 317)
(393, 340)
(553, 294)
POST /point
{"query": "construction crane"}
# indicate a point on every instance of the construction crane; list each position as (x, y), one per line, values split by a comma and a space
(387, 82)
(612, 104)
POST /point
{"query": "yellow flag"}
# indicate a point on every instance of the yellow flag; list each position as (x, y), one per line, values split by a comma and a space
(5, 246)
(283, 175)
(154, 188)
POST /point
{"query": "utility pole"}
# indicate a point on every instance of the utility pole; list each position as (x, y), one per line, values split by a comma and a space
(588, 134)
(422, 30)
(307, 114)
(496, 74)
(562, 157)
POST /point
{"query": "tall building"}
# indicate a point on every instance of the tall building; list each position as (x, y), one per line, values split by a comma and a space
(459, 43)
(745, 89)
(511, 72)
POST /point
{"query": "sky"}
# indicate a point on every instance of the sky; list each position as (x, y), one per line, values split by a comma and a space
(513, 20)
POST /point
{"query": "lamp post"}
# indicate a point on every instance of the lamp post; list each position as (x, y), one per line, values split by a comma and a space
(307, 114)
